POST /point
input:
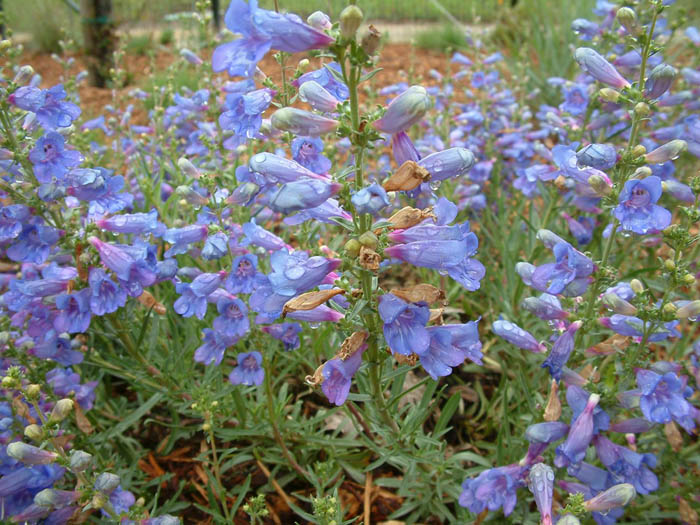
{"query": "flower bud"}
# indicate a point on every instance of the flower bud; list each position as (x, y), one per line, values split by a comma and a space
(642, 172)
(670, 308)
(638, 150)
(352, 247)
(449, 163)
(371, 40)
(618, 305)
(628, 19)
(599, 156)
(302, 122)
(678, 190)
(56, 498)
(61, 410)
(188, 168)
(33, 391)
(595, 65)
(689, 279)
(669, 264)
(540, 482)
(191, 196)
(80, 460)
(669, 151)
(191, 57)
(609, 95)
(29, 454)
(659, 81)
(350, 19)
(23, 75)
(107, 483)
(303, 64)
(641, 109)
(616, 496)
(34, 432)
(405, 110)
(317, 96)
(689, 310)
(637, 286)
(600, 185)
(569, 519)
(369, 239)
(319, 20)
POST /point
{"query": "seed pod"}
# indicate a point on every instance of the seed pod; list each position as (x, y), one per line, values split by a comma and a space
(408, 177)
(310, 300)
(407, 217)
(371, 40)
(369, 259)
(420, 292)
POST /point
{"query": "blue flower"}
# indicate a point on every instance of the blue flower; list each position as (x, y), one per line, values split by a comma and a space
(181, 238)
(214, 344)
(106, 295)
(248, 371)
(573, 450)
(561, 350)
(233, 317)
(51, 159)
(515, 335)
(571, 265)
(193, 296)
(244, 275)
(337, 376)
(74, 312)
(493, 488)
(627, 466)
(326, 79)
(288, 333)
(370, 199)
(65, 382)
(215, 247)
(243, 115)
(308, 151)
(577, 398)
(100, 189)
(51, 110)
(443, 353)
(638, 211)
(663, 398)
(575, 99)
(34, 243)
(405, 325)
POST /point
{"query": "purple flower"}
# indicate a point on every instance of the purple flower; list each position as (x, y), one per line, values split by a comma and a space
(561, 350)
(517, 336)
(214, 344)
(405, 325)
(288, 333)
(325, 78)
(74, 312)
(663, 398)
(66, 382)
(449, 346)
(575, 99)
(11, 219)
(405, 110)
(638, 211)
(570, 265)
(599, 156)
(595, 65)
(216, 246)
(51, 159)
(259, 236)
(181, 238)
(577, 398)
(131, 223)
(106, 296)
(193, 296)
(268, 169)
(302, 195)
(403, 149)
(627, 466)
(34, 243)
(248, 372)
(337, 376)
(493, 488)
(308, 151)
(59, 349)
(573, 450)
(370, 199)
(540, 482)
(317, 97)
(244, 275)
(233, 317)
(243, 115)
(447, 164)
(546, 307)
(51, 110)
(100, 189)
(302, 122)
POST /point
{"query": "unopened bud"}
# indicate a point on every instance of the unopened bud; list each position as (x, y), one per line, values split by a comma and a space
(191, 196)
(188, 168)
(34, 432)
(10, 383)
(618, 305)
(669, 308)
(56, 498)
(405, 110)
(689, 278)
(61, 410)
(4, 44)
(609, 95)
(107, 483)
(303, 64)
(601, 186)
(352, 247)
(669, 151)
(628, 19)
(33, 392)
(99, 500)
(319, 20)
(616, 496)
(641, 109)
(80, 460)
(23, 75)
(29, 454)
(689, 310)
(369, 239)
(569, 519)
(669, 264)
(642, 172)
(637, 286)
(301, 122)
(660, 80)
(350, 19)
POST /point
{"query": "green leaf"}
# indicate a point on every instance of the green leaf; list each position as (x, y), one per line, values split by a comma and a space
(447, 412)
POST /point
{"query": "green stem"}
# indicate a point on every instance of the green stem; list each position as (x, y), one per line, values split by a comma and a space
(217, 471)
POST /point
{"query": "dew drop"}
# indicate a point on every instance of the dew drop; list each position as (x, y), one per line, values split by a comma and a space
(260, 158)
